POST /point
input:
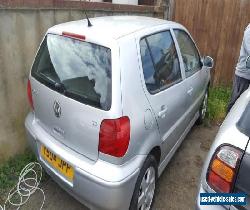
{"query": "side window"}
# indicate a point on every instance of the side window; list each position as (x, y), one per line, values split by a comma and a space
(160, 62)
(189, 52)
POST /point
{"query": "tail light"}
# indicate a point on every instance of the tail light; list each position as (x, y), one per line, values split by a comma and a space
(223, 168)
(114, 136)
(29, 93)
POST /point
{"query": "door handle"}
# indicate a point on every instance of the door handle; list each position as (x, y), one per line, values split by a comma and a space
(190, 91)
(162, 113)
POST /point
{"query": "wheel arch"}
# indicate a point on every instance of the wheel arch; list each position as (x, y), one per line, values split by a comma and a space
(156, 153)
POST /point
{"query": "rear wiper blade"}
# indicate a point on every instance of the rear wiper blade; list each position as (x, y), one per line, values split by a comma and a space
(55, 83)
(60, 87)
(47, 78)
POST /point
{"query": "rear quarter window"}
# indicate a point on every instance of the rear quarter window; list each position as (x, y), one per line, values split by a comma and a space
(77, 69)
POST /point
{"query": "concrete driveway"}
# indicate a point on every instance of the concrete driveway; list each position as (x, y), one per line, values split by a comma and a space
(177, 187)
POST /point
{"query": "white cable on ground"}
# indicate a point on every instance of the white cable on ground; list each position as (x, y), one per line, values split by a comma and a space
(28, 183)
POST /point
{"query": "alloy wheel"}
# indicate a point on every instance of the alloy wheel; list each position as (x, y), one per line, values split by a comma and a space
(147, 189)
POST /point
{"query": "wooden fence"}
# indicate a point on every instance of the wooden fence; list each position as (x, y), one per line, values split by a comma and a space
(217, 26)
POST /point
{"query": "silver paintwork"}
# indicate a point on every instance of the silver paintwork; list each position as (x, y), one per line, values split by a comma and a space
(228, 134)
(157, 121)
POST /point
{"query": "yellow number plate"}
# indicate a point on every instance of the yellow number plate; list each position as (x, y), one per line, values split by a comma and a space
(60, 165)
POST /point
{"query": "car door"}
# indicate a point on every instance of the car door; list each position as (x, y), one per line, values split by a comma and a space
(163, 84)
(196, 75)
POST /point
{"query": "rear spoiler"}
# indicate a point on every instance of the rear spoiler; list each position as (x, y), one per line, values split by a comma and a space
(244, 122)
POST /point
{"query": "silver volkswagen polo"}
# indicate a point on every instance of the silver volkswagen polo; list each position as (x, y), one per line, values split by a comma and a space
(111, 103)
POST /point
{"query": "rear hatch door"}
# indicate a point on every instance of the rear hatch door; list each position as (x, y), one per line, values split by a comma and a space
(71, 89)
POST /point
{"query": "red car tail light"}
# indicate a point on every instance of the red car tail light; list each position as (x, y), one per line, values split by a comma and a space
(29, 94)
(223, 168)
(114, 136)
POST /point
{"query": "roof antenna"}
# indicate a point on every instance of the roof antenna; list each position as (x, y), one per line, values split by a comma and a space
(89, 23)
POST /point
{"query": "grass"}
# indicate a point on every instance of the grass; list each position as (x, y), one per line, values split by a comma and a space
(217, 103)
(10, 170)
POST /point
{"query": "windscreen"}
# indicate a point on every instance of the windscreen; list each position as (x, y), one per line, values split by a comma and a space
(77, 69)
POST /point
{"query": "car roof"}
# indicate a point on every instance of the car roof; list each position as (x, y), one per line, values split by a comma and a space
(111, 26)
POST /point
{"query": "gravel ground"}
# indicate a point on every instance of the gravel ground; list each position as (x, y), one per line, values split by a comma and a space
(176, 188)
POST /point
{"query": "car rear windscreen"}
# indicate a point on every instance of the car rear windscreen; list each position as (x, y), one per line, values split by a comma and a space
(79, 70)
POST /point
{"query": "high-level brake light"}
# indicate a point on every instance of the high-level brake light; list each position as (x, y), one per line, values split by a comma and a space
(72, 35)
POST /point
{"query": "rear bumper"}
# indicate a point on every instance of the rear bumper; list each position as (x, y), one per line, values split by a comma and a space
(98, 185)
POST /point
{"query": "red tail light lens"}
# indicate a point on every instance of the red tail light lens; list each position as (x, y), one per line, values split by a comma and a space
(223, 168)
(114, 136)
(72, 35)
(29, 94)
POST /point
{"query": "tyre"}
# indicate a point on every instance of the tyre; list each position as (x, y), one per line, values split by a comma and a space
(203, 109)
(143, 196)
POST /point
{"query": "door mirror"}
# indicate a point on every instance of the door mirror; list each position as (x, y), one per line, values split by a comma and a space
(208, 62)
(248, 62)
